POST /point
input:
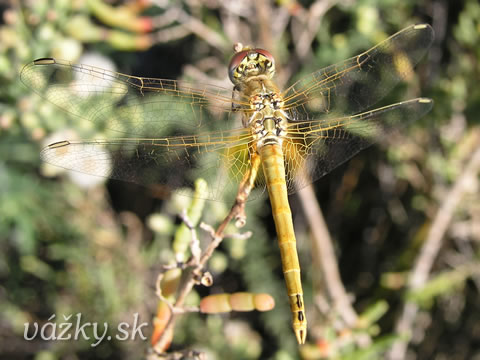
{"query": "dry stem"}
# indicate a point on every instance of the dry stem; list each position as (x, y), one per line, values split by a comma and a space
(431, 247)
(322, 248)
(194, 269)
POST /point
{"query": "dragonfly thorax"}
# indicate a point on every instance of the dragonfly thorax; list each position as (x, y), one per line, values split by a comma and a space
(268, 126)
(266, 99)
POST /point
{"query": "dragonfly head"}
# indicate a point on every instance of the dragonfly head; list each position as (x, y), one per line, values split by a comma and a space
(249, 62)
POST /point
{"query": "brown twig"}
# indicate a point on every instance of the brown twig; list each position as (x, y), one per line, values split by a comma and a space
(170, 34)
(203, 31)
(264, 12)
(193, 270)
(303, 45)
(187, 25)
(304, 31)
(179, 355)
(431, 247)
(324, 251)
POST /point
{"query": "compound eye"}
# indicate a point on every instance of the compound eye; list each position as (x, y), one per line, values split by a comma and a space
(235, 61)
(252, 56)
(266, 53)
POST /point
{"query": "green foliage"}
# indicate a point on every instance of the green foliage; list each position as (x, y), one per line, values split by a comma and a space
(68, 248)
(442, 284)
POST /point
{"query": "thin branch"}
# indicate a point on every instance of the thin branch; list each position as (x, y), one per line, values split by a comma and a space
(194, 243)
(179, 355)
(303, 45)
(203, 31)
(170, 34)
(304, 32)
(431, 247)
(193, 271)
(323, 249)
(264, 12)
(187, 25)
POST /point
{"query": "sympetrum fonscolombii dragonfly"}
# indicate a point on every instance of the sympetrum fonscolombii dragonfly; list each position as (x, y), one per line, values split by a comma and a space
(288, 139)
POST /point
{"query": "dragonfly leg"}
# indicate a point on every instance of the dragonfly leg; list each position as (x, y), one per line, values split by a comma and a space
(237, 211)
(244, 190)
(235, 97)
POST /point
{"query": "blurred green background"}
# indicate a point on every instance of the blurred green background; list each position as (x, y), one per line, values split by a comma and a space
(71, 245)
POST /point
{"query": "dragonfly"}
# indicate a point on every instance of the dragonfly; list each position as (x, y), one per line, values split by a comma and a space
(254, 137)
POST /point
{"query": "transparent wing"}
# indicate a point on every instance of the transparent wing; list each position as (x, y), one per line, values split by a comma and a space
(219, 157)
(148, 108)
(356, 84)
(314, 148)
(144, 111)
(128, 104)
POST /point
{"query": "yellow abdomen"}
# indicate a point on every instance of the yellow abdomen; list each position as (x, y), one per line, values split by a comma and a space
(274, 169)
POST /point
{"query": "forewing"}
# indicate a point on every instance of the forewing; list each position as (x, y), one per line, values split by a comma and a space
(356, 84)
(127, 104)
(143, 111)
